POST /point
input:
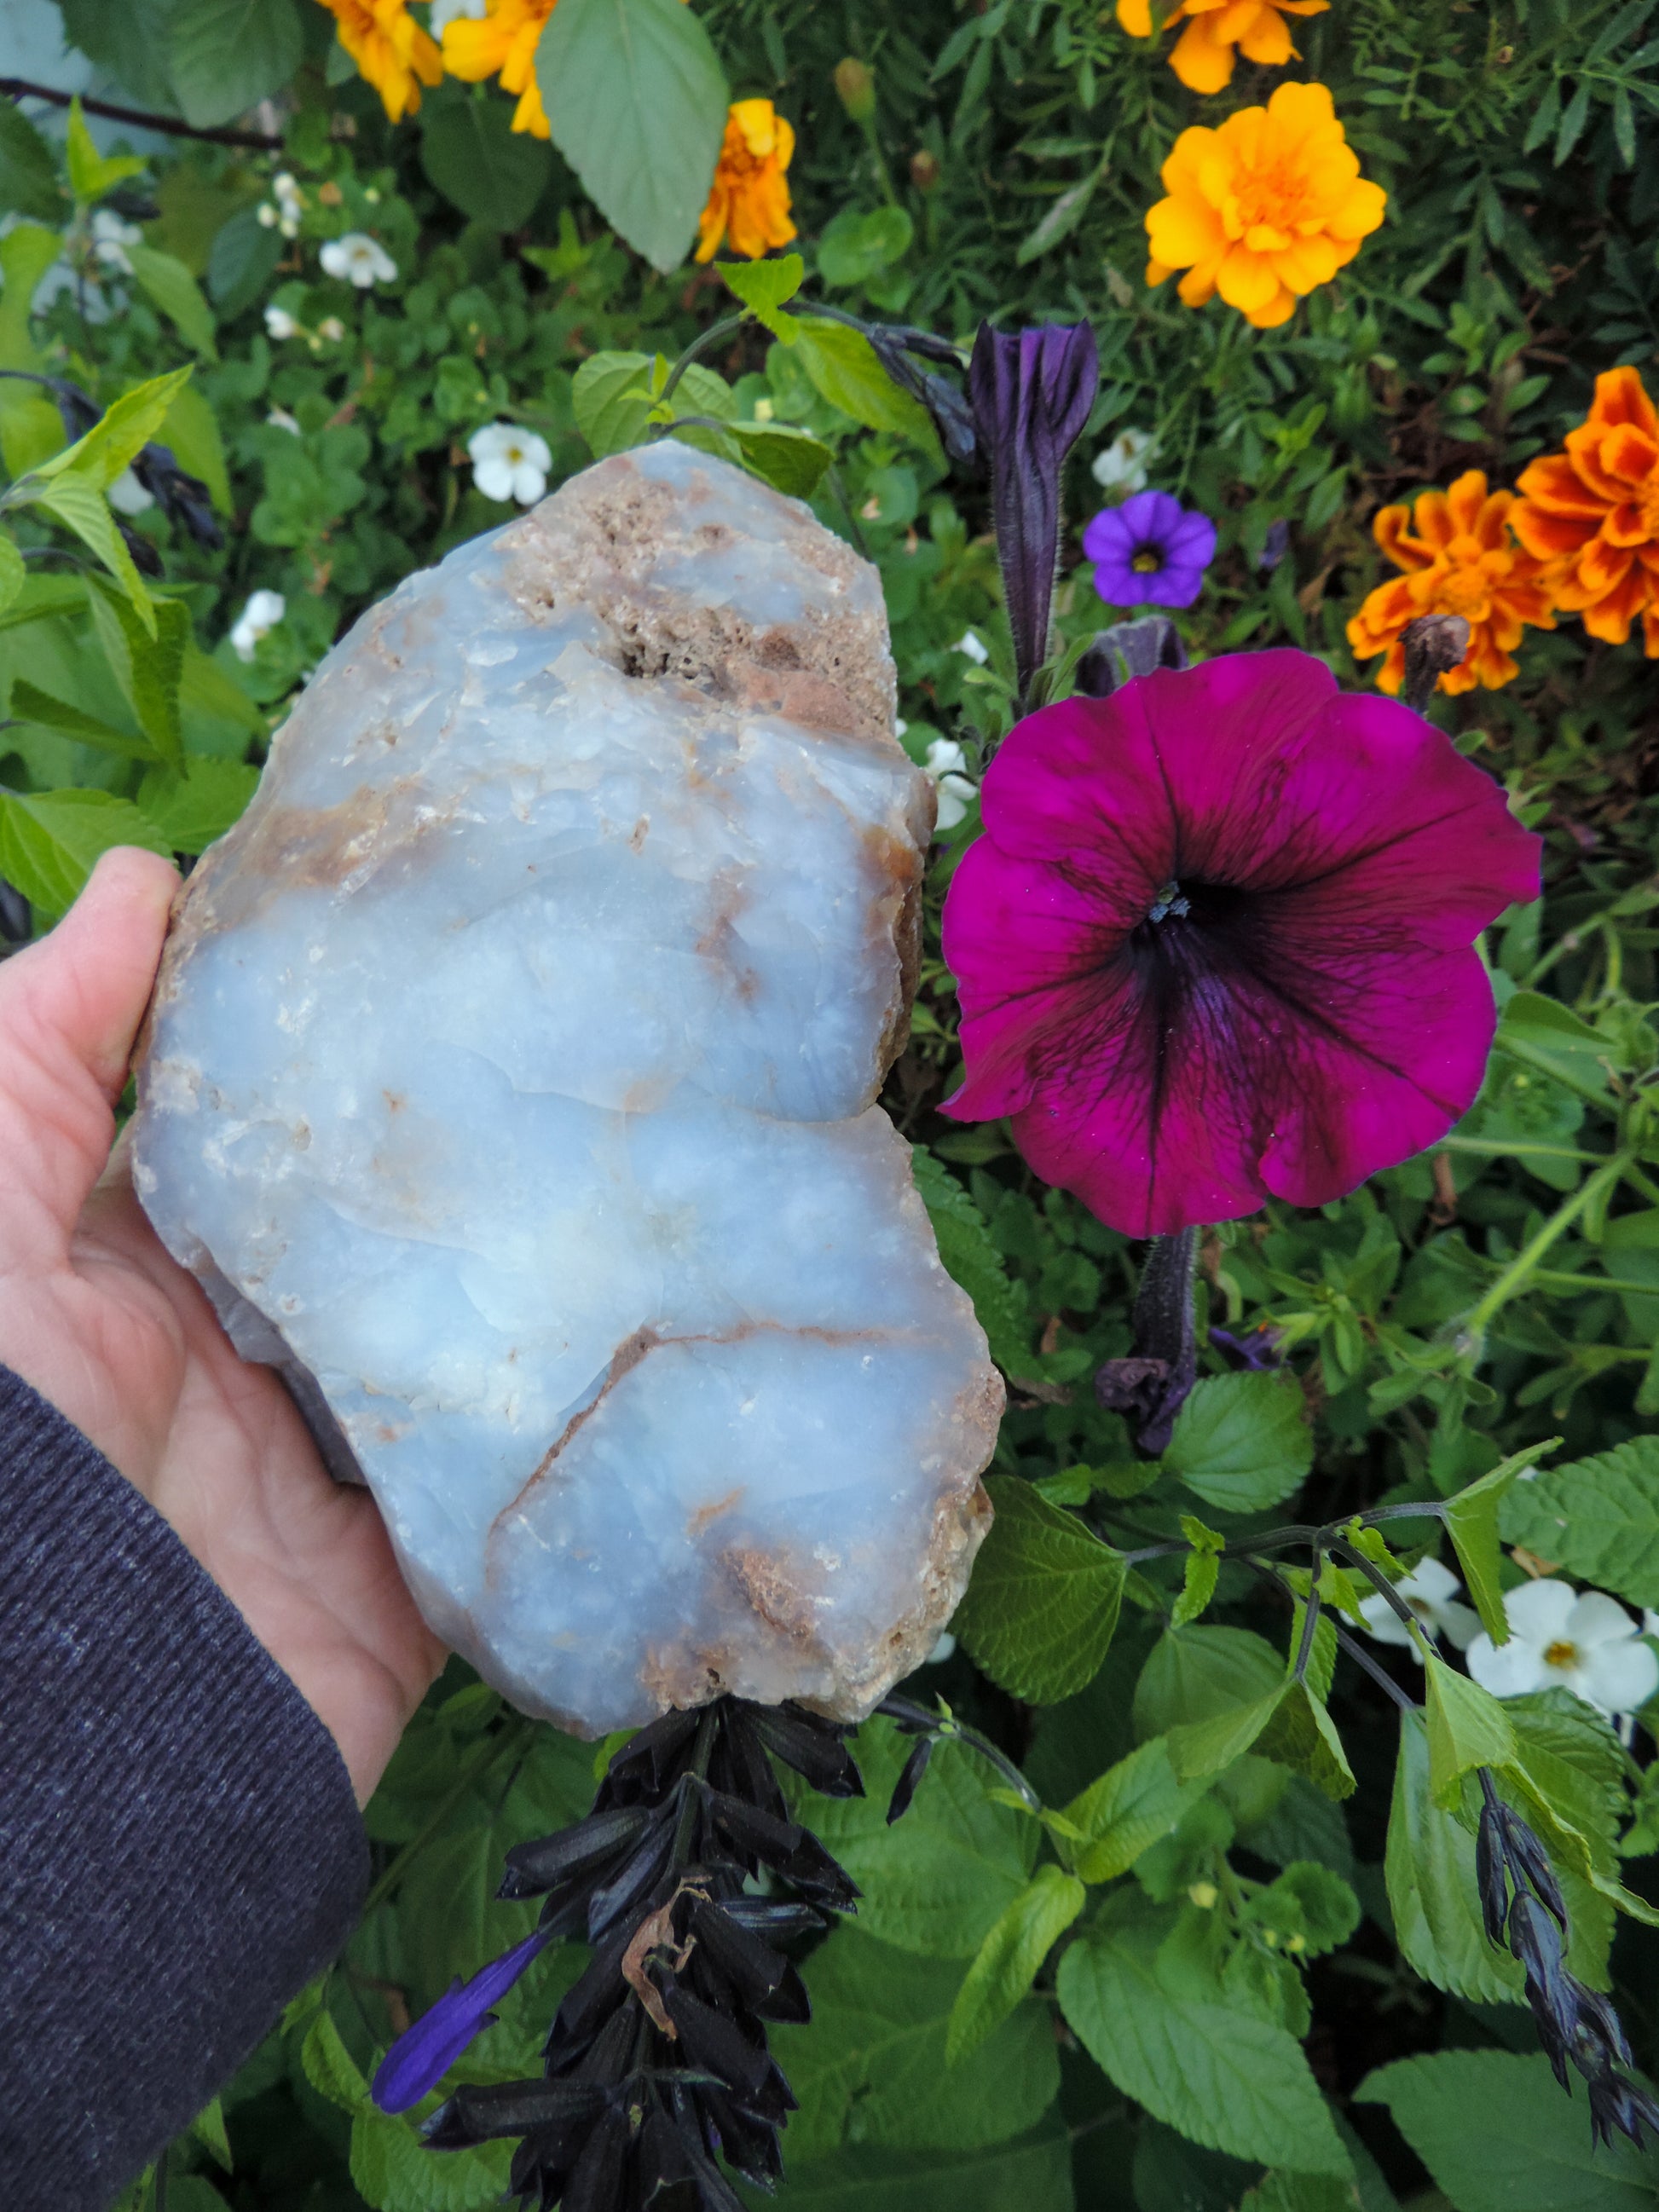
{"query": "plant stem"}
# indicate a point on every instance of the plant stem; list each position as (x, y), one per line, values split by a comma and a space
(17, 88)
(1516, 1275)
(482, 1759)
(1518, 1148)
(700, 345)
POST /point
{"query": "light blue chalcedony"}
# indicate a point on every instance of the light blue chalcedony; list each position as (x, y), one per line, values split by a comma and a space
(511, 1074)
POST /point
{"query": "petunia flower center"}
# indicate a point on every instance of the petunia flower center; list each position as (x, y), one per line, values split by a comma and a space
(1169, 901)
(1146, 559)
(1561, 1654)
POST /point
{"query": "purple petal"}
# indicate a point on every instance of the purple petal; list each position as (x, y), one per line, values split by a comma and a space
(1176, 585)
(423, 2054)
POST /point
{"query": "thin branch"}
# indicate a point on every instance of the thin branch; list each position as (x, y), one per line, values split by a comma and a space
(17, 88)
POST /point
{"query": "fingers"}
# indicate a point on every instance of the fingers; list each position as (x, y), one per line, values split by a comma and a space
(70, 1008)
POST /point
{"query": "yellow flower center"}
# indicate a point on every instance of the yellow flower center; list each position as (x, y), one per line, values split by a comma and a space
(1561, 1654)
(1465, 586)
(1146, 562)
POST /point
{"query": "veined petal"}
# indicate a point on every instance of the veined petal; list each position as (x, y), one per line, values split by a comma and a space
(1620, 1677)
(1540, 1610)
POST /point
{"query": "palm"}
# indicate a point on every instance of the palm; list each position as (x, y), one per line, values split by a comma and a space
(97, 1315)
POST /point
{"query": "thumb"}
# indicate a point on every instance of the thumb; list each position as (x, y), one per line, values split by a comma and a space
(70, 1008)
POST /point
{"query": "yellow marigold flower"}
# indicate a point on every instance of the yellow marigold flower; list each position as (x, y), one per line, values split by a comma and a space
(392, 53)
(1263, 209)
(1592, 513)
(749, 201)
(503, 44)
(1461, 558)
(1203, 59)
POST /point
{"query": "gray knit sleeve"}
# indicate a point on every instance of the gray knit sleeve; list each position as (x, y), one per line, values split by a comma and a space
(179, 1847)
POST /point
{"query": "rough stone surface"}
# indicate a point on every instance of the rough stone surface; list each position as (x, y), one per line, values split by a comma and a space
(511, 1074)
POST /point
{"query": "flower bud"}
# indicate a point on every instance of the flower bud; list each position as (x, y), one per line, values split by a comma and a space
(924, 169)
(855, 82)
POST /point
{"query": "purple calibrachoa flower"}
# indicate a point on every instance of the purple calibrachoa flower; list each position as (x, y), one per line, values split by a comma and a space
(1216, 942)
(423, 2054)
(1032, 392)
(1152, 551)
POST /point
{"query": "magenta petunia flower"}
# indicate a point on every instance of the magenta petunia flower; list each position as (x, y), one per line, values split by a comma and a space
(1149, 552)
(1216, 941)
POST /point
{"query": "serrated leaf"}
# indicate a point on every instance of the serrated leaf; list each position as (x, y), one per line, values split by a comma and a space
(224, 56)
(109, 446)
(1433, 1889)
(1242, 1442)
(493, 174)
(1133, 1806)
(636, 100)
(74, 502)
(393, 2169)
(51, 841)
(209, 2130)
(91, 175)
(1497, 2135)
(189, 812)
(31, 704)
(1467, 1728)
(791, 461)
(611, 397)
(972, 1261)
(1198, 1748)
(177, 294)
(29, 169)
(1033, 2172)
(765, 286)
(13, 574)
(1006, 1962)
(842, 367)
(148, 665)
(1044, 1597)
(330, 2068)
(1472, 1524)
(1598, 1518)
(1301, 1735)
(1228, 2080)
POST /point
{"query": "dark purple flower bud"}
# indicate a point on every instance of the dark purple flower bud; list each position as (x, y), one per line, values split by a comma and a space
(15, 923)
(1127, 650)
(1259, 1350)
(423, 2054)
(1489, 1870)
(1032, 392)
(1154, 1384)
(953, 418)
(1274, 546)
(1526, 1853)
(907, 1784)
(184, 499)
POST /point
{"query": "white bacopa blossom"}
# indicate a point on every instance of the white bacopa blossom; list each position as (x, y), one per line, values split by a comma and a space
(444, 13)
(111, 238)
(508, 463)
(280, 419)
(1431, 1592)
(263, 611)
(331, 328)
(280, 324)
(1559, 1639)
(283, 213)
(127, 495)
(1121, 467)
(360, 259)
(970, 644)
(944, 763)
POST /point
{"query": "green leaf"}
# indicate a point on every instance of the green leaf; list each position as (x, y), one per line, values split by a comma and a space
(50, 841)
(1432, 1890)
(1242, 1442)
(1007, 1963)
(765, 286)
(108, 448)
(870, 2067)
(1542, 1031)
(189, 812)
(393, 2169)
(843, 368)
(1228, 2080)
(209, 2130)
(75, 503)
(1497, 2134)
(13, 574)
(1301, 1735)
(1131, 1807)
(90, 175)
(178, 296)
(611, 396)
(190, 433)
(1195, 1673)
(148, 666)
(856, 247)
(1198, 1748)
(1044, 1598)
(1307, 1912)
(636, 101)
(492, 172)
(330, 2068)
(225, 55)
(1034, 2173)
(30, 704)
(1467, 1728)
(1200, 1571)
(938, 1880)
(1598, 1518)
(29, 169)
(1062, 218)
(1302, 2192)
(791, 461)
(1472, 1524)
(972, 1259)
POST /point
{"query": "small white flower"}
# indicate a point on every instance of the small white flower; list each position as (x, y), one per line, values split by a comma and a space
(261, 614)
(1586, 1643)
(945, 763)
(1121, 466)
(331, 328)
(360, 259)
(289, 226)
(508, 463)
(265, 216)
(280, 419)
(970, 644)
(290, 200)
(1430, 1592)
(127, 495)
(279, 324)
(444, 13)
(110, 239)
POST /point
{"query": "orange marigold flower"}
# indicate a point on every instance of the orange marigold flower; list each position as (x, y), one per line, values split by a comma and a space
(503, 44)
(1204, 55)
(392, 53)
(1263, 209)
(1593, 513)
(1459, 559)
(749, 201)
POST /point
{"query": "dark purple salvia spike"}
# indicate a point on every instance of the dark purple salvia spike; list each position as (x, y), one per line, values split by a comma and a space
(1127, 650)
(423, 2054)
(1153, 1385)
(1032, 393)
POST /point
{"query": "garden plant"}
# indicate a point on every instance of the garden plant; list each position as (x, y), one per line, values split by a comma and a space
(1251, 407)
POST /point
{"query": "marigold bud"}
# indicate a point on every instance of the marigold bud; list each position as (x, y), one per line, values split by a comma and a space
(924, 170)
(855, 82)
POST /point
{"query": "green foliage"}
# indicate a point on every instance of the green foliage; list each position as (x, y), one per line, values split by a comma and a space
(1598, 1518)
(1044, 1599)
(1242, 1442)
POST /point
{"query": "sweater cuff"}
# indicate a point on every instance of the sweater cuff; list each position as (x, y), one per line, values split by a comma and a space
(180, 1849)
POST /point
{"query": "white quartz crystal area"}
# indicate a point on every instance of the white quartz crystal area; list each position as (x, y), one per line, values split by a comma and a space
(510, 1082)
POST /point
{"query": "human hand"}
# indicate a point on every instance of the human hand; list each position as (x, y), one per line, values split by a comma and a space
(102, 1322)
